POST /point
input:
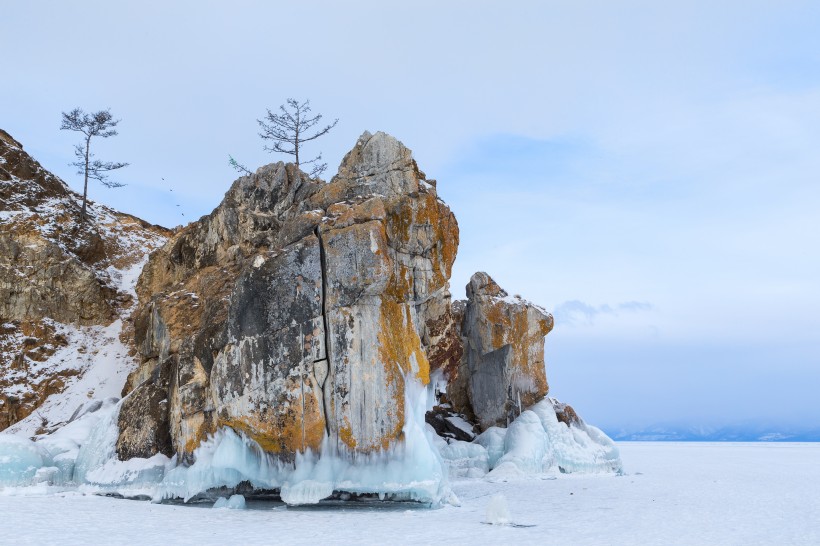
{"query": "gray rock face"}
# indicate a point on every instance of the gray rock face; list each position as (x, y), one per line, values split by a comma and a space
(297, 308)
(143, 423)
(275, 332)
(502, 371)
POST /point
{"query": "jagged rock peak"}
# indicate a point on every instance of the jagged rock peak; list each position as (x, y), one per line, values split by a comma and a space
(377, 165)
(482, 285)
(297, 308)
(376, 154)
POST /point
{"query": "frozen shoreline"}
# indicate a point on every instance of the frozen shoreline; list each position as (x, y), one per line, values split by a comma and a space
(671, 493)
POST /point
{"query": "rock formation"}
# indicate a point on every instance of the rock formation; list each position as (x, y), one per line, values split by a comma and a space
(297, 308)
(502, 369)
(299, 316)
(57, 275)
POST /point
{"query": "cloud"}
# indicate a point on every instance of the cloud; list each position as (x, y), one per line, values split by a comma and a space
(635, 306)
(669, 158)
(576, 312)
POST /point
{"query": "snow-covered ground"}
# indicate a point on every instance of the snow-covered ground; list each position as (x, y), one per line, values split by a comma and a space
(671, 493)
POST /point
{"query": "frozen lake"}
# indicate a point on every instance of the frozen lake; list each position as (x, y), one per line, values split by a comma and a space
(672, 493)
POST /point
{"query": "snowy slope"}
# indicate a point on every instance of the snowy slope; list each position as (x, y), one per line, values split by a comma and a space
(98, 356)
(49, 365)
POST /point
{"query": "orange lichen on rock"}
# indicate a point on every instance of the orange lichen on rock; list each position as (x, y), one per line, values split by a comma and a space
(346, 435)
(193, 430)
(282, 434)
(399, 343)
(503, 370)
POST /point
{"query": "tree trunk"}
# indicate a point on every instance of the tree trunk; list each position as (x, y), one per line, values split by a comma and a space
(296, 141)
(85, 185)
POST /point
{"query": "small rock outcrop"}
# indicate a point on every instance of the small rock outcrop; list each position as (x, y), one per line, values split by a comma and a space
(143, 424)
(296, 309)
(502, 370)
(565, 413)
(57, 277)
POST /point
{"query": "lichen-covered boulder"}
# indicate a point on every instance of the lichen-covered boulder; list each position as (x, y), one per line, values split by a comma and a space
(502, 371)
(296, 309)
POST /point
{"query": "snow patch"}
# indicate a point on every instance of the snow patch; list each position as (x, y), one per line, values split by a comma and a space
(102, 363)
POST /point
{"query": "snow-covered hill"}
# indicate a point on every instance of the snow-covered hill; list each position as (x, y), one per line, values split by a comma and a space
(66, 290)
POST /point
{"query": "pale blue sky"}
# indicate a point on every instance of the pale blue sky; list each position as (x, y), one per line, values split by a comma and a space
(648, 171)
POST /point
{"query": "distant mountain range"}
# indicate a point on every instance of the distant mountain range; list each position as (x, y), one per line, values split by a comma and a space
(728, 433)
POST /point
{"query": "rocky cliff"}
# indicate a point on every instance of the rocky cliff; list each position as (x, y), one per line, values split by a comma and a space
(282, 342)
(63, 284)
(296, 309)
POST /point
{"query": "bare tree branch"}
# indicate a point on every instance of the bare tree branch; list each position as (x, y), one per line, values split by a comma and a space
(97, 124)
(289, 130)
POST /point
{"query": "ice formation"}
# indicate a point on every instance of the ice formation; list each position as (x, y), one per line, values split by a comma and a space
(492, 440)
(412, 470)
(52, 458)
(235, 502)
(534, 443)
(82, 454)
(464, 459)
(98, 467)
(20, 460)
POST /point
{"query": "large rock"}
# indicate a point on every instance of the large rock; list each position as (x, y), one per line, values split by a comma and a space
(58, 278)
(143, 423)
(296, 309)
(502, 371)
